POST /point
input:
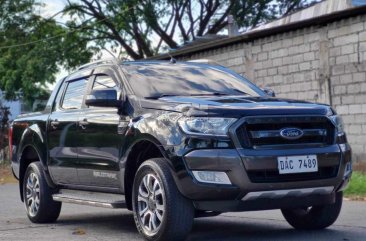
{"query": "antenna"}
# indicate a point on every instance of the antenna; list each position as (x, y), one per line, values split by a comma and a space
(172, 60)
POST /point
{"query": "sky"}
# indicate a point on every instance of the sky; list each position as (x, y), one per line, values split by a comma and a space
(51, 7)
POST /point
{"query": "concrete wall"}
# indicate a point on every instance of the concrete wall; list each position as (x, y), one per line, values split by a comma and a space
(325, 64)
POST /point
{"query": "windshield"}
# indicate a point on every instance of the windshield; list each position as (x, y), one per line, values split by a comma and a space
(154, 80)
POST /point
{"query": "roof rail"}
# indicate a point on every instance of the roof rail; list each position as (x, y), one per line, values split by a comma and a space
(100, 62)
(204, 61)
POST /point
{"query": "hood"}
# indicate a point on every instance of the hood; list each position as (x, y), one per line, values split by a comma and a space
(235, 106)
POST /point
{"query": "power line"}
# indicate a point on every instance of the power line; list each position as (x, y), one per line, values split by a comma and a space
(32, 42)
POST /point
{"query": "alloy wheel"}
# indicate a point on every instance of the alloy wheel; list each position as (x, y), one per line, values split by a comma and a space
(150, 204)
(32, 194)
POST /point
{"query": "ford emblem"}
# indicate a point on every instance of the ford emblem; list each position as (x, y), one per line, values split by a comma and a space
(291, 133)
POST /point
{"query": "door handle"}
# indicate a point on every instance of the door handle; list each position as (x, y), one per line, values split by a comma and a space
(54, 124)
(83, 123)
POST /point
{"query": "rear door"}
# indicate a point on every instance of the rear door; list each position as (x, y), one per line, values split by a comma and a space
(99, 146)
(63, 130)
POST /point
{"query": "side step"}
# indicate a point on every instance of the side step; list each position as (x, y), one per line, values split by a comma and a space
(96, 199)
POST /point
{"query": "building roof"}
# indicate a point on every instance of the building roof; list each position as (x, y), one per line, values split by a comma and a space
(331, 13)
(202, 40)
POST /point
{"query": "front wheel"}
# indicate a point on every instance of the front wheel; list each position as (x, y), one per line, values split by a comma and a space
(160, 211)
(317, 217)
(37, 195)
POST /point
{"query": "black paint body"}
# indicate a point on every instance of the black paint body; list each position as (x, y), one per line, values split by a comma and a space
(79, 147)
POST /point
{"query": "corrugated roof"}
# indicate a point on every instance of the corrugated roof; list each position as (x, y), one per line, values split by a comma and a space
(202, 40)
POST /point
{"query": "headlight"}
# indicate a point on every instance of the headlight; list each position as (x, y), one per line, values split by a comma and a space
(209, 126)
(338, 122)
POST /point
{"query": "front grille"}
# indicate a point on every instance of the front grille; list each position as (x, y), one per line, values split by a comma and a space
(264, 132)
(271, 176)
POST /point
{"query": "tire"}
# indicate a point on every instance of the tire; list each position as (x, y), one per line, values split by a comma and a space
(37, 195)
(160, 214)
(317, 217)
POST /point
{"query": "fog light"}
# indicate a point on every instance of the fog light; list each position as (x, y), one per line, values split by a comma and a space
(211, 177)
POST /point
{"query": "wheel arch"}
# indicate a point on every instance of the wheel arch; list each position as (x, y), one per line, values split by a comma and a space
(30, 153)
(141, 150)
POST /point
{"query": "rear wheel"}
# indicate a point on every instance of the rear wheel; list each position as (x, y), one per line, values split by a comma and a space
(160, 211)
(317, 217)
(37, 195)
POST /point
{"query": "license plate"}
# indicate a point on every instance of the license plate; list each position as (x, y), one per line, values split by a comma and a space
(297, 164)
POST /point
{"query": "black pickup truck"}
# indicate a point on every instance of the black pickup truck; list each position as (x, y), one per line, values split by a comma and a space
(172, 141)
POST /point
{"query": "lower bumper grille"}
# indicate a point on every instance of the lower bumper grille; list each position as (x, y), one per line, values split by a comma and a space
(270, 176)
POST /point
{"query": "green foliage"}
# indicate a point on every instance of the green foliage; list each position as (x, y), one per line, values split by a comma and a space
(26, 69)
(357, 186)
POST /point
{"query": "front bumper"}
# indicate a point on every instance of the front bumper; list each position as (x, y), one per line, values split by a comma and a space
(246, 194)
(267, 203)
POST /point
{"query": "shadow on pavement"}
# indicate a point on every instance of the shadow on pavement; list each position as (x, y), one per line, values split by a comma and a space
(106, 222)
(218, 228)
(247, 229)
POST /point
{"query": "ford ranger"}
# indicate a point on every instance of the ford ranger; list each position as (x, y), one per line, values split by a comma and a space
(172, 141)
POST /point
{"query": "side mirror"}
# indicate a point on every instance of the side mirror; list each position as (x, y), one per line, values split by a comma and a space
(103, 98)
(269, 92)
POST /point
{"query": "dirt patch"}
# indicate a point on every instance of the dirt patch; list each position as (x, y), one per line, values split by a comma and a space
(355, 198)
(6, 176)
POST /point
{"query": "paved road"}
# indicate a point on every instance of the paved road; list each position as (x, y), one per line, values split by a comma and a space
(89, 223)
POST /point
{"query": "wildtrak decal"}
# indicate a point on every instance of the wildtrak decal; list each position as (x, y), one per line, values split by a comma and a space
(105, 175)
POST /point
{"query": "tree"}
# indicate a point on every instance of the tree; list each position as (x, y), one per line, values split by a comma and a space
(143, 27)
(32, 49)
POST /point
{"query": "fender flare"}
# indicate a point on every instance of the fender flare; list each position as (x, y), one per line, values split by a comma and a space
(145, 137)
(32, 138)
(126, 162)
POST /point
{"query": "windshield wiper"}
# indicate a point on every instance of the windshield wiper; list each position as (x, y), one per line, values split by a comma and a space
(158, 96)
(219, 93)
(208, 93)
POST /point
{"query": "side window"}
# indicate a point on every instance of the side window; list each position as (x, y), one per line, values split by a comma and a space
(58, 97)
(104, 82)
(74, 94)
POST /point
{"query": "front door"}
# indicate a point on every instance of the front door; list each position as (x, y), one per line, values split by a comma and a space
(99, 146)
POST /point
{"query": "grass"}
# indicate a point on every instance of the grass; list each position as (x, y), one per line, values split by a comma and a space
(357, 186)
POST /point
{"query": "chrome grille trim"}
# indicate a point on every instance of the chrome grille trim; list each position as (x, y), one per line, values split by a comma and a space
(320, 131)
(276, 133)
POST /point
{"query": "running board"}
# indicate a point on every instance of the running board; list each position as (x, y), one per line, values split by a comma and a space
(96, 199)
